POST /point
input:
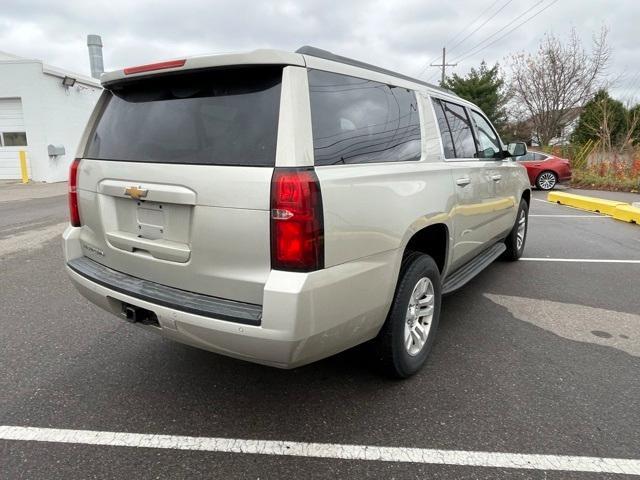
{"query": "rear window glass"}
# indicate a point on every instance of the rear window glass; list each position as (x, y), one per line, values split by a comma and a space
(211, 117)
(361, 121)
(445, 131)
(460, 130)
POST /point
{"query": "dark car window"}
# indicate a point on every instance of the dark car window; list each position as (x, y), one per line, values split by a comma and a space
(461, 132)
(210, 117)
(361, 121)
(532, 157)
(488, 141)
(445, 131)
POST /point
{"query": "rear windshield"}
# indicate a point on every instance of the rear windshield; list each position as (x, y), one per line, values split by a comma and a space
(211, 117)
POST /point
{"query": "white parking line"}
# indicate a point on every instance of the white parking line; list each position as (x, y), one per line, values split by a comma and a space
(579, 260)
(326, 450)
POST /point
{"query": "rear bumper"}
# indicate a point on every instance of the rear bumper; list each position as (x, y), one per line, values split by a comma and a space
(565, 178)
(564, 174)
(204, 305)
(304, 316)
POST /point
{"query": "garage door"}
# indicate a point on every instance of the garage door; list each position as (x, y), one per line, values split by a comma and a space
(12, 137)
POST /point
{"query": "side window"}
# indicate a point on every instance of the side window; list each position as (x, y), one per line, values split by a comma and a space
(445, 132)
(539, 157)
(460, 130)
(355, 120)
(488, 142)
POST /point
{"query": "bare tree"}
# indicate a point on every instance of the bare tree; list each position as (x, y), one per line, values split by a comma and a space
(558, 78)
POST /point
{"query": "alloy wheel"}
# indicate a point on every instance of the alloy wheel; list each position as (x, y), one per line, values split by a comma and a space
(547, 180)
(522, 229)
(419, 316)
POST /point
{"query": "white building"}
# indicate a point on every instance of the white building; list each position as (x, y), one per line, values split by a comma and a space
(38, 110)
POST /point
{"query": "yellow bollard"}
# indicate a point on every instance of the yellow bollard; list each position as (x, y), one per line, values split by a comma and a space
(23, 166)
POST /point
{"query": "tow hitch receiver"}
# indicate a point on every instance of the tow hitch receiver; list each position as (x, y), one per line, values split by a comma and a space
(134, 314)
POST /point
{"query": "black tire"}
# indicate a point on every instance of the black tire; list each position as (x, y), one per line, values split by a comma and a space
(551, 180)
(392, 354)
(513, 252)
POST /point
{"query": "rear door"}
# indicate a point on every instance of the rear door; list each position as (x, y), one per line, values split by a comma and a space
(501, 173)
(174, 184)
(474, 214)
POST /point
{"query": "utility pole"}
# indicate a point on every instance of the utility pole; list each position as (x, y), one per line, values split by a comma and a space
(443, 65)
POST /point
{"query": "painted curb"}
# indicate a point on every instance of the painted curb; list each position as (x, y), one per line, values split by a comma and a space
(627, 213)
(585, 203)
(618, 210)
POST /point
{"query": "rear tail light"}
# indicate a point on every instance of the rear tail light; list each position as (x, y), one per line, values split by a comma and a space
(150, 67)
(74, 213)
(297, 230)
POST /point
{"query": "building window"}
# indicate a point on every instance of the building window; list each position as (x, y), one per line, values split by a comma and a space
(15, 139)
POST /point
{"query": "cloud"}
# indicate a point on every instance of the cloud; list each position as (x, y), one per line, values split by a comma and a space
(402, 35)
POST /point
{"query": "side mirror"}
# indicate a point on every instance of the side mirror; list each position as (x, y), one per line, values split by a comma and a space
(517, 149)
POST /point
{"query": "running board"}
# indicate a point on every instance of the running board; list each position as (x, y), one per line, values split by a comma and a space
(460, 277)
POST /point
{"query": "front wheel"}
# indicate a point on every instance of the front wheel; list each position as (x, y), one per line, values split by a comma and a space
(406, 338)
(518, 235)
(546, 180)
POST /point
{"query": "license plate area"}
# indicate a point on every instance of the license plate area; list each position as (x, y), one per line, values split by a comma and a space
(147, 219)
(151, 220)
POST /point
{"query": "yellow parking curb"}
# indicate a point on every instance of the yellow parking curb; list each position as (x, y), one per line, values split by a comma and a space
(627, 213)
(585, 203)
(618, 210)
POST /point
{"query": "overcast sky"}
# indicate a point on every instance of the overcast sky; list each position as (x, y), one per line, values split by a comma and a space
(400, 35)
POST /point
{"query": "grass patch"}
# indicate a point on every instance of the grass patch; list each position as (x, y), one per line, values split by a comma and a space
(598, 178)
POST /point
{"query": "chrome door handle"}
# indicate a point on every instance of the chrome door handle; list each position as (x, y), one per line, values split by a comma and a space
(496, 178)
(463, 181)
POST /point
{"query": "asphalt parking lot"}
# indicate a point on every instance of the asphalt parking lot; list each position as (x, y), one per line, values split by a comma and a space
(536, 357)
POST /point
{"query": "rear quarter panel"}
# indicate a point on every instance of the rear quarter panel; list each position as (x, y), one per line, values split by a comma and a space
(370, 209)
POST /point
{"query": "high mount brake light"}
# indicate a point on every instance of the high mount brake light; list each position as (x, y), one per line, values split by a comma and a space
(297, 227)
(150, 67)
(74, 212)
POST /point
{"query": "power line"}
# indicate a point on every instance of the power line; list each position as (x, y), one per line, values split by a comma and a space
(501, 30)
(460, 32)
(446, 42)
(482, 24)
(508, 32)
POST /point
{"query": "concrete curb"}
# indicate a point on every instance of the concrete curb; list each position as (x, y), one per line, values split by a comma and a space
(627, 213)
(618, 210)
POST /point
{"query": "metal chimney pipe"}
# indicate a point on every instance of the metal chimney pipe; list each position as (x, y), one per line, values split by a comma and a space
(94, 42)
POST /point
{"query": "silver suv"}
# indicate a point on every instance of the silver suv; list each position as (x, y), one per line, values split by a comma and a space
(282, 207)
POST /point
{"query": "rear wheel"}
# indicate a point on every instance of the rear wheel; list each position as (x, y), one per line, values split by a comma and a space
(546, 180)
(408, 333)
(518, 236)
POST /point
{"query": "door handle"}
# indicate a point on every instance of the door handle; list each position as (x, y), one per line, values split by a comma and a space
(463, 181)
(496, 178)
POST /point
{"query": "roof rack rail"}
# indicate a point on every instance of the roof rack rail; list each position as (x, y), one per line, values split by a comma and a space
(327, 55)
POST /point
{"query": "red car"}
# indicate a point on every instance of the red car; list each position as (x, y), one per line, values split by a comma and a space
(545, 171)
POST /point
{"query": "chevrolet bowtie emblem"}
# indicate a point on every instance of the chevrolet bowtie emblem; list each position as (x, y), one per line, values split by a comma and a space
(135, 192)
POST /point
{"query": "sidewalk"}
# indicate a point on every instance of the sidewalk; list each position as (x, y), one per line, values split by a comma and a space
(10, 191)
